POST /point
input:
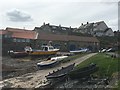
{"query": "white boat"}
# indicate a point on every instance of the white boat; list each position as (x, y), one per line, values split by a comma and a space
(51, 61)
(47, 63)
(59, 58)
(79, 51)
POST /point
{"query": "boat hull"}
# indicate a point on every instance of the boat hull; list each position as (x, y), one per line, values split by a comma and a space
(42, 53)
(60, 73)
(18, 54)
(46, 64)
(83, 72)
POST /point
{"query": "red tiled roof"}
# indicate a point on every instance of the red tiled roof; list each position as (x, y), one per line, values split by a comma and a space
(22, 33)
(27, 35)
(17, 29)
(3, 32)
(44, 36)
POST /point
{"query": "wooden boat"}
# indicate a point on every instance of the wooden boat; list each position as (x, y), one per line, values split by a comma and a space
(60, 73)
(46, 50)
(17, 54)
(83, 72)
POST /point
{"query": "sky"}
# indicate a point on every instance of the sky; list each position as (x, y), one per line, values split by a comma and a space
(33, 13)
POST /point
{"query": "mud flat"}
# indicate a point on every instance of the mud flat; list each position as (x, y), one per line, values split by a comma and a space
(13, 67)
(37, 78)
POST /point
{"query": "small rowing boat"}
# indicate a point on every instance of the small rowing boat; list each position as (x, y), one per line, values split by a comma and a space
(83, 72)
(17, 54)
(48, 63)
(60, 73)
(51, 61)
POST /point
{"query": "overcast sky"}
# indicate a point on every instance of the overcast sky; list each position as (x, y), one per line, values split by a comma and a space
(32, 13)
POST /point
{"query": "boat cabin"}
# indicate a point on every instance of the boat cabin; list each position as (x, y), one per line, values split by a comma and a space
(48, 48)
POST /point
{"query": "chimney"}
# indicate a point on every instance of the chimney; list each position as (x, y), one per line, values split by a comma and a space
(44, 23)
(87, 22)
(48, 24)
(81, 24)
(59, 25)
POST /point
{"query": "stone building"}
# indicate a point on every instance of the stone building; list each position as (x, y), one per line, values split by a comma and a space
(53, 29)
(68, 42)
(96, 29)
(16, 39)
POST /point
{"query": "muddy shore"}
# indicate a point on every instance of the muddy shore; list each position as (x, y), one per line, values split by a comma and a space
(13, 67)
(36, 78)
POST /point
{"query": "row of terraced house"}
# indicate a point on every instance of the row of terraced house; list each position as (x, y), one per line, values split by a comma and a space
(61, 37)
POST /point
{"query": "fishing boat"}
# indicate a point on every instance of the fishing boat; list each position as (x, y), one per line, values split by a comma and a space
(17, 54)
(83, 72)
(60, 72)
(46, 50)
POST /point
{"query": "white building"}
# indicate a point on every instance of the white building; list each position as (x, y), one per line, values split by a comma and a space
(96, 29)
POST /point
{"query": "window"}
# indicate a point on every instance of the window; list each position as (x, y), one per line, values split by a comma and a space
(63, 28)
(95, 24)
(46, 48)
(7, 36)
(23, 40)
(14, 40)
(51, 48)
(0, 36)
(27, 40)
(54, 27)
(18, 40)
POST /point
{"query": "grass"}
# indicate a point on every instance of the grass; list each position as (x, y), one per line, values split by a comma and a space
(119, 85)
(107, 64)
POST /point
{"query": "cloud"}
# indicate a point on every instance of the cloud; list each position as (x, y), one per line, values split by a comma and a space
(18, 16)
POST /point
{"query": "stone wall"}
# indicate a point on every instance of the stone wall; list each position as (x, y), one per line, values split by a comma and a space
(64, 46)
